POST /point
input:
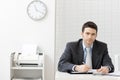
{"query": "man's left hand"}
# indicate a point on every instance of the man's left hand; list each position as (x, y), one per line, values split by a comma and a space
(103, 70)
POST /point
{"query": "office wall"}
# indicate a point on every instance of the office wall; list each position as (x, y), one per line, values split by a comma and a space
(16, 29)
(72, 14)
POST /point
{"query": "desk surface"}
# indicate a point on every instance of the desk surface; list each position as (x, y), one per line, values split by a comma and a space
(67, 76)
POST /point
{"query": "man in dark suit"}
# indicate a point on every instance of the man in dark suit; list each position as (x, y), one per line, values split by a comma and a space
(74, 56)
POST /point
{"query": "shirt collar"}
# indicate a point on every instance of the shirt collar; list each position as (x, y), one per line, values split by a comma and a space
(85, 46)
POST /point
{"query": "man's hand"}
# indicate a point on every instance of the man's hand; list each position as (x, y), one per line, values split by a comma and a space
(82, 68)
(103, 70)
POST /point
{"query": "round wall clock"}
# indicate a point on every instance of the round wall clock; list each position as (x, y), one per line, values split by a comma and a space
(36, 10)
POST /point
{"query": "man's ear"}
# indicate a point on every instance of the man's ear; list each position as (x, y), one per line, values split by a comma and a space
(81, 33)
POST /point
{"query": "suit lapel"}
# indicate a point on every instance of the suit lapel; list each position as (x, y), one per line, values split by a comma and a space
(80, 53)
(95, 55)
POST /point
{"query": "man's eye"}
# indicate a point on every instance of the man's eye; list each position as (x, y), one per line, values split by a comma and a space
(93, 34)
(87, 33)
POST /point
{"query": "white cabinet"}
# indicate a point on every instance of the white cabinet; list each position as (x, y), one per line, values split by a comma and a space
(18, 72)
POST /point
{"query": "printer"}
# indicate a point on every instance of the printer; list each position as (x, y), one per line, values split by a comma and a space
(30, 56)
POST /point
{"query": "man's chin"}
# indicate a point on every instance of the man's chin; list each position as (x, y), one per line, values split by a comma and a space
(89, 44)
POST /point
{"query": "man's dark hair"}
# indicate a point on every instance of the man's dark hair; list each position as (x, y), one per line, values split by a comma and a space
(89, 24)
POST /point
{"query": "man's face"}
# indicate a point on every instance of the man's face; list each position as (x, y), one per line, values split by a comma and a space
(89, 35)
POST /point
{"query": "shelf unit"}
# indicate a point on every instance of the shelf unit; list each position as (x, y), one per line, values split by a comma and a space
(26, 73)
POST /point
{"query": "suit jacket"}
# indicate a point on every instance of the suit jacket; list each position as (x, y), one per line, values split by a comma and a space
(74, 55)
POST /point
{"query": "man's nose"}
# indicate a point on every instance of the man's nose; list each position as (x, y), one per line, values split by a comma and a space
(90, 36)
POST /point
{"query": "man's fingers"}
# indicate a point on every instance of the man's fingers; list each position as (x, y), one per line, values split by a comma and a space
(104, 70)
(99, 70)
(82, 68)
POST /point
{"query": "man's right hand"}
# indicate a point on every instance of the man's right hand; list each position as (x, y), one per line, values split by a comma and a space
(82, 68)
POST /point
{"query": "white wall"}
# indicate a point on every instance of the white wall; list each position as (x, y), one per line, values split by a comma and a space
(72, 14)
(16, 29)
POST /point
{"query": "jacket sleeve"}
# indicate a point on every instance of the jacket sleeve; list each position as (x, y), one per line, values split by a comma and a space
(107, 60)
(64, 63)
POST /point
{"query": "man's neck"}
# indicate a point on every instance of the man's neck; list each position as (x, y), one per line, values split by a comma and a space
(86, 45)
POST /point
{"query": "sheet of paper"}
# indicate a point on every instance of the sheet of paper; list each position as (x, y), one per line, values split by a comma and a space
(91, 71)
(94, 72)
(116, 73)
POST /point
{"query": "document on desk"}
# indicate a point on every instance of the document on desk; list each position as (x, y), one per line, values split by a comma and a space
(94, 72)
(116, 73)
(91, 71)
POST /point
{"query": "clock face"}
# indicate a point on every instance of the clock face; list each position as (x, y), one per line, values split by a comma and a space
(36, 10)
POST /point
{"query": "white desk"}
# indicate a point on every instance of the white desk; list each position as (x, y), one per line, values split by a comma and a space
(67, 76)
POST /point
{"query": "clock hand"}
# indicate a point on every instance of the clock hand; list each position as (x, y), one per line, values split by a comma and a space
(38, 10)
(35, 8)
